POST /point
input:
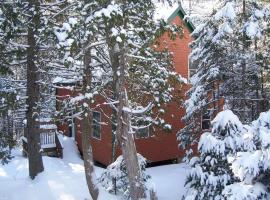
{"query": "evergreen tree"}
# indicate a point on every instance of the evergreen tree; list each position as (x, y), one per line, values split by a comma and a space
(79, 38)
(116, 45)
(252, 167)
(211, 172)
(7, 107)
(28, 34)
(9, 93)
(117, 172)
(134, 59)
(227, 53)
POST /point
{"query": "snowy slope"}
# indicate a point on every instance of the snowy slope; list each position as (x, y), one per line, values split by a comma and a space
(64, 179)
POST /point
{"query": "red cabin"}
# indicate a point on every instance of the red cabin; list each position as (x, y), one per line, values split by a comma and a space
(157, 145)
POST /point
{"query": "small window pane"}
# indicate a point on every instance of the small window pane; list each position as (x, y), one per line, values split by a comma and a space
(142, 132)
(192, 65)
(206, 121)
(192, 72)
(206, 124)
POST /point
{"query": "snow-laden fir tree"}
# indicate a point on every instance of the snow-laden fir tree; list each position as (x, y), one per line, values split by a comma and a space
(81, 38)
(253, 167)
(226, 51)
(28, 36)
(211, 171)
(264, 50)
(117, 172)
(242, 88)
(7, 107)
(11, 124)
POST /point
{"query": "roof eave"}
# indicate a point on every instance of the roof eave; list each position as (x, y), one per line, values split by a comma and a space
(181, 13)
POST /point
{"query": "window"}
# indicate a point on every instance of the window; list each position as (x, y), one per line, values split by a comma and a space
(206, 120)
(192, 72)
(192, 65)
(96, 125)
(142, 132)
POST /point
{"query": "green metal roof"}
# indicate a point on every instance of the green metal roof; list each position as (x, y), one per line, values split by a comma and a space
(181, 13)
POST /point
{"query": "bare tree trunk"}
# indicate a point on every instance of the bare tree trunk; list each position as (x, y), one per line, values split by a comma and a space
(137, 190)
(115, 87)
(244, 73)
(87, 132)
(114, 59)
(10, 121)
(126, 139)
(33, 93)
(115, 65)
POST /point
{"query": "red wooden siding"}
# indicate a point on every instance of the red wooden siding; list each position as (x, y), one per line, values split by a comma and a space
(160, 146)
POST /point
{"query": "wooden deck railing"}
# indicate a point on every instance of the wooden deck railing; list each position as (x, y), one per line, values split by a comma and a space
(49, 141)
(59, 147)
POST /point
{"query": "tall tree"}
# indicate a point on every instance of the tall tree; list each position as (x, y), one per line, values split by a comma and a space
(123, 49)
(134, 56)
(29, 43)
(226, 51)
(33, 91)
(10, 90)
(78, 36)
(8, 105)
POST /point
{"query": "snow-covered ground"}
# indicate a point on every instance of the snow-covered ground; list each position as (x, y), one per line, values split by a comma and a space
(63, 179)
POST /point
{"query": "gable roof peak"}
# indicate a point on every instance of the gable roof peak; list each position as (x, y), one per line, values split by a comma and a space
(182, 14)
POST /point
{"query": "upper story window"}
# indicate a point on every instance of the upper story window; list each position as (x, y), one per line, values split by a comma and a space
(192, 67)
(206, 121)
(142, 132)
(96, 125)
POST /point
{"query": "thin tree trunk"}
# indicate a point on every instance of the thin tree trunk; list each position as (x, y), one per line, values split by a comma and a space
(33, 93)
(126, 139)
(115, 65)
(137, 190)
(115, 87)
(87, 132)
(245, 46)
(114, 59)
(10, 132)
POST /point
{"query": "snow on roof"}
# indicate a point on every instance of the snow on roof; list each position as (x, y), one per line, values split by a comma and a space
(48, 127)
(164, 10)
(196, 11)
(62, 80)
